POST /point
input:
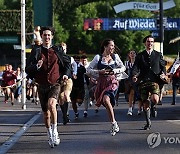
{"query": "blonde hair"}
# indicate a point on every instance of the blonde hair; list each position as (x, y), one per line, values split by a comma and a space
(63, 44)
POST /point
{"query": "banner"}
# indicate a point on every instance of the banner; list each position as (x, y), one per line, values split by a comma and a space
(150, 24)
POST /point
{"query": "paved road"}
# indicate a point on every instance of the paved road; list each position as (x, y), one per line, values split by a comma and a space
(23, 131)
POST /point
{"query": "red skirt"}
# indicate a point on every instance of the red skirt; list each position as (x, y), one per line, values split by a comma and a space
(105, 83)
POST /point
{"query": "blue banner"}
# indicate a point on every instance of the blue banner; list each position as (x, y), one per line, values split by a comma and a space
(149, 24)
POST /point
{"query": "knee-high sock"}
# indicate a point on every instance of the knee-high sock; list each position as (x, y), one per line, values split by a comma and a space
(64, 109)
(147, 116)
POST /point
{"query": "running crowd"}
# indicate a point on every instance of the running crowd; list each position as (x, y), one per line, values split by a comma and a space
(56, 79)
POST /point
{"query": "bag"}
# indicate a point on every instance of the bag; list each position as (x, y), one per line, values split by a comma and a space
(177, 73)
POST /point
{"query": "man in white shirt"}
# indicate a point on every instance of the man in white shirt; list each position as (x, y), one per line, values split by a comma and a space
(175, 78)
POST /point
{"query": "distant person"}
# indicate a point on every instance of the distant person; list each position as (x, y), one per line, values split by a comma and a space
(85, 63)
(105, 67)
(175, 78)
(9, 83)
(18, 91)
(66, 88)
(1, 89)
(48, 65)
(131, 89)
(78, 91)
(37, 36)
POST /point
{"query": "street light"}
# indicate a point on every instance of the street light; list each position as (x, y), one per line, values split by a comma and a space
(161, 27)
(23, 54)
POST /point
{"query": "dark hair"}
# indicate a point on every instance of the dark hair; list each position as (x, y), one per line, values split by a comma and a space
(104, 44)
(149, 36)
(76, 57)
(83, 57)
(47, 28)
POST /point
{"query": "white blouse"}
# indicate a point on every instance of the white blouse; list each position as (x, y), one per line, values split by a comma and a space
(118, 71)
(175, 66)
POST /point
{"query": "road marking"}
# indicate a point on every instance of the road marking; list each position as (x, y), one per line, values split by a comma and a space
(13, 139)
(20, 110)
(177, 122)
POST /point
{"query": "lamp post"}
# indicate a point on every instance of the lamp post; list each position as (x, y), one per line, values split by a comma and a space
(23, 54)
(161, 28)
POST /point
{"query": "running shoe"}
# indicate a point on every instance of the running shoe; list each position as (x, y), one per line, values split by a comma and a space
(139, 112)
(130, 112)
(50, 141)
(114, 129)
(56, 139)
(76, 115)
(85, 114)
(147, 127)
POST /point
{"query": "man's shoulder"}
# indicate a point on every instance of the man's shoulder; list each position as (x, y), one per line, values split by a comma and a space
(58, 48)
(157, 52)
(36, 49)
(141, 53)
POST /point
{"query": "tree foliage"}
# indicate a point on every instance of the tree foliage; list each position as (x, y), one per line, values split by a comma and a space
(69, 16)
(72, 14)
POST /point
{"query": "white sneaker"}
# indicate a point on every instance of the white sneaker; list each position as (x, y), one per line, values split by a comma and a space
(19, 100)
(90, 103)
(56, 139)
(139, 112)
(50, 141)
(85, 114)
(130, 112)
(114, 129)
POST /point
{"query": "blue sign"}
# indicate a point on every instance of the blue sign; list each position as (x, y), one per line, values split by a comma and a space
(9, 39)
(149, 24)
(155, 33)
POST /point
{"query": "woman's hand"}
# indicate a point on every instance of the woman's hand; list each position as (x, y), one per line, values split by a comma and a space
(102, 72)
(106, 72)
(39, 64)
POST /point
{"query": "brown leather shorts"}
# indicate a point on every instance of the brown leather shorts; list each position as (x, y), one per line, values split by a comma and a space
(48, 91)
(148, 87)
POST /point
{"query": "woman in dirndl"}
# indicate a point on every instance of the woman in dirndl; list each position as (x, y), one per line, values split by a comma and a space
(108, 69)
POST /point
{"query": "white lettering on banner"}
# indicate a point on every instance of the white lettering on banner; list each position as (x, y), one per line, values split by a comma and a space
(143, 6)
(120, 24)
(133, 24)
(171, 25)
(143, 24)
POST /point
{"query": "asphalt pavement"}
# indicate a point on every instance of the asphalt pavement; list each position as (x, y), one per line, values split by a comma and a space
(23, 131)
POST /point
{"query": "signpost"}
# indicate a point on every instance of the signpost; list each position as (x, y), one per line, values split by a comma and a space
(23, 54)
(151, 7)
(143, 6)
(161, 28)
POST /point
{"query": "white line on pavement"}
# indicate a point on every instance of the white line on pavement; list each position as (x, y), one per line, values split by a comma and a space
(177, 122)
(13, 139)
